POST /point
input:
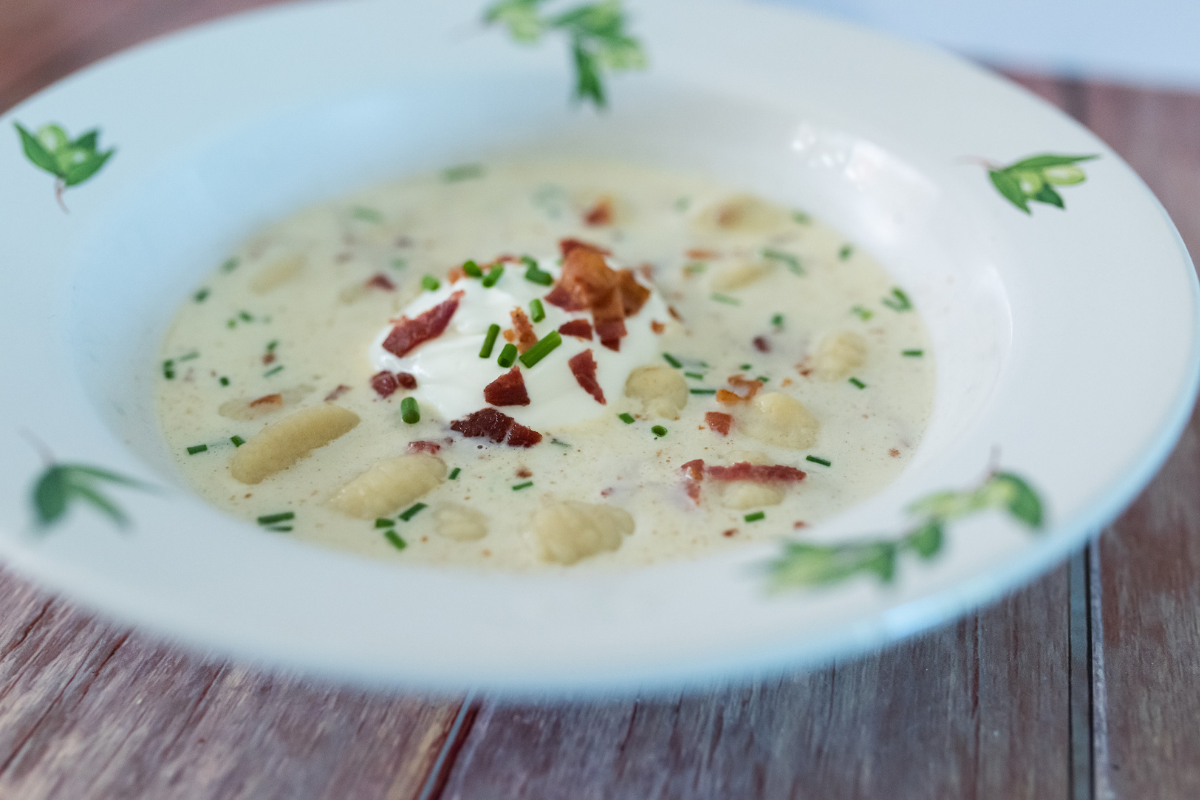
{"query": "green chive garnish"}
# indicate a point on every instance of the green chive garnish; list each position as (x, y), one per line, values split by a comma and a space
(246, 316)
(845, 252)
(462, 172)
(431, 283)
(726, 299)
(198, 448)
(787, 259)
(280, 528)
(529, 261)
(454, 473)
(385, 523)
(489, 341)
(536, 275)
(912, 353)
(542, 349)
(472, 270)
(366, 214)
(200, 296)
(237, 441)
(898, 301)
(230, 265)
(823, 462)
(169, 369)
(395, 539)
(189, 357)
(682, 203)
(703, 391)
(755, 517)
(231, 324)
(224, 381)
(494, 274)
(777, 320)
(410, 412)
(521, 486)
(695, 375)
(762, 379)
(659, 431)
(858, 383)
(507, 356)
(272, 519)
(412, 511)
(273, 371)
(862, 313)
(271, 345)
(537, 312)
(672, 360)
(745, 367)
(626, 418)
(800, 218)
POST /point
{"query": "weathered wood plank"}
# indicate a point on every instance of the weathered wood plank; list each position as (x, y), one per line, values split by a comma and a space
(978, 709)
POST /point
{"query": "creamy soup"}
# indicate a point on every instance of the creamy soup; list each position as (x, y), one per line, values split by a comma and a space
(537, 365)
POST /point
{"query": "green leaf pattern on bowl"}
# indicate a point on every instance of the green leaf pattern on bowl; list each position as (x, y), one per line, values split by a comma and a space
(1032, 180)
(70, 161)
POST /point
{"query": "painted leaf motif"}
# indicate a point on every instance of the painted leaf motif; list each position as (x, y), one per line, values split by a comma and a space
(78, 173)
(1008, 185)
(50, 496)
(63, 484)
(813, 565)
(926, 541)
(1024, 503)
(36, 152)
(1047, 195)
(1050, 160)
(587, 85)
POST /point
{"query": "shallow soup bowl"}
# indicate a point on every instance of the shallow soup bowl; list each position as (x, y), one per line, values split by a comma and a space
(1064, 338)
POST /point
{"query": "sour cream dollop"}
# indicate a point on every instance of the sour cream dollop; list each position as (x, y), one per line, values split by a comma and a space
(451, 375)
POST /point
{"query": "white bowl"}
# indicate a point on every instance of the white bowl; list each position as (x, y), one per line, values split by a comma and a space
(1067, 339)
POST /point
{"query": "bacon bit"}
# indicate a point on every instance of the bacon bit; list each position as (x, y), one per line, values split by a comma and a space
(509, 334)
(269, 358)
(431, 324)
(728, 398)
(507, 390)
(799, 524)
(894, 453)
(718, 422)
(336, 393)
(424, 447)
(526, 338)
(657, 326)
(805, 366)
(703, 255)
(633, 294)
(488, 423)
(587, 281)
(381, 281)
(610, 333)
(385, 383)
(758, 473)
(456, 274)
(674, 314)
(729, 533)
(406, 380)
(647, 271)
(565, 246)
(786, 382)
(583, 367)
(267, 400)
(577, 327)
(524, 472)
(607, 492)
(694, 469)
(761, 344)
(599, 214)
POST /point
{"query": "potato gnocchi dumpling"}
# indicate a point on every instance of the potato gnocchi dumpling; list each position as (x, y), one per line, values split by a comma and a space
(281, 444)
(839, 355)
(460, 523)
(276, 274)
(662, 390)
(569, 531)
(777, 419)
(386, 487)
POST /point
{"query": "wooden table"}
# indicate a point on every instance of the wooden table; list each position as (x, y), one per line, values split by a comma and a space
(1083, 684)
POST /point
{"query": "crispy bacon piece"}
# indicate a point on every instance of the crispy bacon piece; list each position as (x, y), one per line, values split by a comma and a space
(657, 326)
(340, 390)
(577, 327)
(694, 469)
(702, 255)
(269, 358)
(267, 400)
(758, 473)
(456, 274)
(761, 344)
(406, 380)
(488, 423)
(424, 447)
(633, 294)
(430, 324)
(610, 332)
(526, 338)
(583, 367)
(718, 422)
(728, 398)
(674, 314)
(385, 383)
(507, 390)
(599, 214)
(567, 245)
(587, 281)
(381, 281)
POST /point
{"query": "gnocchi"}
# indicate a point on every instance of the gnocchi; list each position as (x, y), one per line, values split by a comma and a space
(386, 487)
(569, 531)
(292, 438)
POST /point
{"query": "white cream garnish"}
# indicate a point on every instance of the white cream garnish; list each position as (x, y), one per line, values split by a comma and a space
(451, 376)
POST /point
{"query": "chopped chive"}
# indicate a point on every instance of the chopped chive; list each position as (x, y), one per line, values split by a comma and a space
(862, 313)
(763, 379)
(695, 268)
(454, 473)
(273, 371)
(224, 381)
(489, 341)
(272, 519)
(912, 353)
(698, 376)
(201, 295)
(230, 265)
(395, 539)
(280, 528)
(189, 356)
(232, 323)
(745, 367)
(529, 261)
(726, 299)
(659, 431)
(542, 349)
(559, 442)
(494, 274)
(399, 263)
(777, 320)
(472, 270)
(431, 283)
(787, 259)
(845, 252)
(197, 448)
(858, 383)
(682, 203)
(626, 418)
(246, 316)
(385, 523)
(898, 301)
(169, 369)
(462, 172)
(410, 412)
(672, 360)
(536, 275)
(507, 355)
(800, 218)
(537, 312)
(237, 441)
(271, 345)
(822, 461)
(755, 517)
(366, 214)
(521, 486)
(412, 511)
(703, 391)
